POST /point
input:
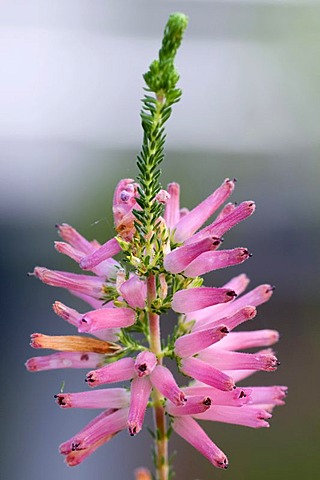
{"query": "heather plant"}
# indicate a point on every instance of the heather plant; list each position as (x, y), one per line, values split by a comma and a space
(162, 253)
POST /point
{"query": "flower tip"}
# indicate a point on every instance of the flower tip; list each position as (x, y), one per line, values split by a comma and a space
(62, 400)
(221, 462)
(250, 312)
(180, 399)
(90, 379)
(230, 294)
(224, 330)
(35, 340)
(133, 429)
(31, 365)
(84, 325)
(60, 310)
(84, 264)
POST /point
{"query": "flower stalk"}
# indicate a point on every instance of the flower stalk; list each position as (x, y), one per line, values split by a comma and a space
(160, 438)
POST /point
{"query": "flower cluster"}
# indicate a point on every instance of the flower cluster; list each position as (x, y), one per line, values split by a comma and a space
(124, 295)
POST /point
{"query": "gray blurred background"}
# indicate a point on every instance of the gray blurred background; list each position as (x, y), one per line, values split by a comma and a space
(70, 89)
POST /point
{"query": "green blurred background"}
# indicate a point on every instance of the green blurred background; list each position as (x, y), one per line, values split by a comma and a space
(69, 130)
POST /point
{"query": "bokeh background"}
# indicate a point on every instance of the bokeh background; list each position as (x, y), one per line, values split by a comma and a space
(70, 89)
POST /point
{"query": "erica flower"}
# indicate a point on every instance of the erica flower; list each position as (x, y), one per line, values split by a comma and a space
(164, 249)
(205, 346)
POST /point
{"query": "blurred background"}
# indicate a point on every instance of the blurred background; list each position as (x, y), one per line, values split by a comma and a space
(70, 89)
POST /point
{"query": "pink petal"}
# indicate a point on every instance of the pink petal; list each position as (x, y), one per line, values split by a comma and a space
(202, 371)
(107, 318)
(114, 372)
(134, 291)
(64, 360)
(66, 447)
(110, 398)
(238, 283)
(145, 363)
(231, 322)
(191, 431)
(208, 261)
(191, 299)
(195, 404)
(69, 314)
(191, 222)
(76, 457)
(192, 343)
(245, 415)
(107, 250)
(80, 283)
(235, 398)
(226, 360)
(140, 393)
(107, 425)
(218, 228)
(75, 239)
(172, 208)
(179, 259)
(245, 340)
(163, 380)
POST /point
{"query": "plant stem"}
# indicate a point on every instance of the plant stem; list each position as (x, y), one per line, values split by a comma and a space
(161, 439)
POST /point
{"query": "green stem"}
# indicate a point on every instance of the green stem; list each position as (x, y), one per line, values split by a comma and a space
(161, 438)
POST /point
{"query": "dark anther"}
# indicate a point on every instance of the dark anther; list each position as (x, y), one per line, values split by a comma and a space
(242, 394)
(235, 180)
(57, 225)
(224, 330)
(250, 254)
(278, 363)
(207, 401)
(143, 367)
(251, 204)
(89, 378)
(231, 293)
(84, 357)
(61, 400)
(84, 320)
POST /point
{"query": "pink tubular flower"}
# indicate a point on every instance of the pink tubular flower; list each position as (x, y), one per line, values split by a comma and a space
(191, 222)
(145, 363)
(189, 429)
(206, 373)
(192, 343)
(134, 291)
(115, 372)
(206, 348)
(140, 393)
(106, 318)
(162, 379)
(191, 299)
(65, 360)
(178, 260)
(110, 398)
(108, 425)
